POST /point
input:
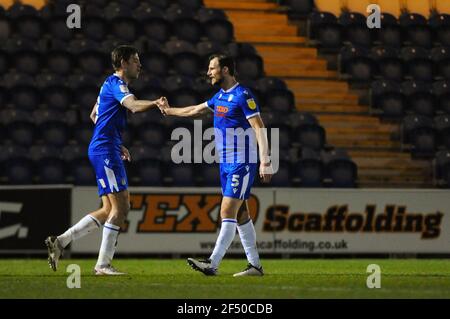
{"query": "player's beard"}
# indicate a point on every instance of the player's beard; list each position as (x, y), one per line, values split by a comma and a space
(218, 82)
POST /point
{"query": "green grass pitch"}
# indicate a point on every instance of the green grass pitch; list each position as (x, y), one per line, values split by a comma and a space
(174, 279)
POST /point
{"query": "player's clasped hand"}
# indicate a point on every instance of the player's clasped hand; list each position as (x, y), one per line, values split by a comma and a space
(265, 172)
(163, 104)
(125, 154)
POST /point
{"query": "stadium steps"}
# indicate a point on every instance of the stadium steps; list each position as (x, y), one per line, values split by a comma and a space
(333, 108)
(374, 146)
(38, 4)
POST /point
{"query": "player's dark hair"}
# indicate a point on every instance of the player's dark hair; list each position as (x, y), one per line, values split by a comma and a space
(122, 52)
(225, 61)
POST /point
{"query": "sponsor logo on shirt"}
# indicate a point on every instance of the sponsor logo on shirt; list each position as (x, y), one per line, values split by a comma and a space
(221, 111)
(251, 104)
(123, 89)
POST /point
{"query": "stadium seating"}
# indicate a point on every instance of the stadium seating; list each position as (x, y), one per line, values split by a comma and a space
(56, 74)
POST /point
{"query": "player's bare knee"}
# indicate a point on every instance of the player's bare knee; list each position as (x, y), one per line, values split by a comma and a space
(243, 216)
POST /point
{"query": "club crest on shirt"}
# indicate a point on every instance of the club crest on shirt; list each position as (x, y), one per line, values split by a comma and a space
(123, 88)
(251, 104)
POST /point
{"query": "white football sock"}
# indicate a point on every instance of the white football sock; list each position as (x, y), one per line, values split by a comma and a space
(108, 246)
(248, 240)
(226, 235)
(87, 224)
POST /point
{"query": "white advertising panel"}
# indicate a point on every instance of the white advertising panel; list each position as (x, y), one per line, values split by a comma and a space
(322, 221)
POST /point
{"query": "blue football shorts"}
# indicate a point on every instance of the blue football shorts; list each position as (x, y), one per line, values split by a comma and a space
(110, 173)
(237, 179)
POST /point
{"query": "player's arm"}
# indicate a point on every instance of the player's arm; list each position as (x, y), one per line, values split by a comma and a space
(93, 112)
(187, 111)
(136, 106)
(265, 169)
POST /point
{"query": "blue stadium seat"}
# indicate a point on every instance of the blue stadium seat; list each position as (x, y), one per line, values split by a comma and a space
(209, 175)
(163, 4)
(5, 28)
(186, 63)
(25, 97)
(389, 64)
(220, 31)
(420, 66)
(55, 133)
(92, 62)
(28, 62)
(279, 100)
(311, 135)
(57, 97)
(86, 97)
(440, 24)
(442, 168)
(30, 27)
(39, 151)
(390, 33)
(441, 58)
(209, 14)
(4, 62)
(270, 83)
(173, 47)
(4, 97)
(355, 61)
(20, 171)
(441, 123)
(355, 28)
(342, 171)
(82, 172)
(419, 97)
(57, 28)
(94, 28)
(60, 62)
(155, 63)
(154, 135)
(51, 170)
(416, 28)
(125, 29)
(207, 48)
(83, 133)
(282, 178)
(309, 170)
(180, 174)
(419, 132)
(117, 10)
(299, 8)
(184, 97)
(149, 172)
(323, 27)
(250, 67)
(188, 29)
(387, 97)
(441, 89)
(157, 28)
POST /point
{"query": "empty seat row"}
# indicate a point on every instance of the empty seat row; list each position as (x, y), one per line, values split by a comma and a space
(394, 99)
(124, 29)
(411, 29)
(361, 64)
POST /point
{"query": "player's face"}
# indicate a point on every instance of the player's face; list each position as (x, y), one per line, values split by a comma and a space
(133, 67)
(215, 72)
